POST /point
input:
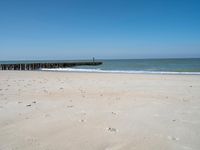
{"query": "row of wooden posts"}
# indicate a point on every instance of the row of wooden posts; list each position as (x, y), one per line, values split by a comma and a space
(37, 66)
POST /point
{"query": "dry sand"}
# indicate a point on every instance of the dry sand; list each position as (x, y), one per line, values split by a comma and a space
(90, 111)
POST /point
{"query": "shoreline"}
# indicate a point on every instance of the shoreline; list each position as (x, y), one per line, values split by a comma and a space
(111, 72)
(117, 72)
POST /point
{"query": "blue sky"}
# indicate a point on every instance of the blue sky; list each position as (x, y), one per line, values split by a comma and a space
(81, 29)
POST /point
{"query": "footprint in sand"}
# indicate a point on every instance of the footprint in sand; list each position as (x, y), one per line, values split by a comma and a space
(117, 98)
(32, 141)
(46, 115)
(45, 91)
(173, 138)
(82, 120)
(70, 106)
(84, 114)
(113, 113)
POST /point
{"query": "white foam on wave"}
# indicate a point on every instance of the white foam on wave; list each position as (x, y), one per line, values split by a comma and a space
(117, 71)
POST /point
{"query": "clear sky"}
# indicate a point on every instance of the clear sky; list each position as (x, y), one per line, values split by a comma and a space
(81, 29)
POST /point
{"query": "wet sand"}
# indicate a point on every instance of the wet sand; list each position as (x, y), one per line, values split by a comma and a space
(98, 111)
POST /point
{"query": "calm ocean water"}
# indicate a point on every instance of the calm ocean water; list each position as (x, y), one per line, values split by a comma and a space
(170, 66)
(148, 65)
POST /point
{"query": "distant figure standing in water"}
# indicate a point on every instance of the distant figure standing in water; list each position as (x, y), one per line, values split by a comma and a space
(93, 59)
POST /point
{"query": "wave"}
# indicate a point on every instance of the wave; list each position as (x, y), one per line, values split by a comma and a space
(117, 71)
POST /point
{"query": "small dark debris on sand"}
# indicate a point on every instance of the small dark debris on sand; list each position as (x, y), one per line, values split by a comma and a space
(28, 105)
(114, 113)
(112, 129)
(34, 102)
(70, 106)
(82, 120)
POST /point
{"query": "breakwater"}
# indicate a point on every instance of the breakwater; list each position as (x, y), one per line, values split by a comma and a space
(39, 65)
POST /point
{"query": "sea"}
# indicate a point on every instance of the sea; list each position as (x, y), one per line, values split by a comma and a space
(147, 66)
(134, 66)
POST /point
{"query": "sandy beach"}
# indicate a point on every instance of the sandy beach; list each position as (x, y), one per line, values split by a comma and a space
(98, 111)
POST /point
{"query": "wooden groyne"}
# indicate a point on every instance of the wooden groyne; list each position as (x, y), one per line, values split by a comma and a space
(37, 66)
